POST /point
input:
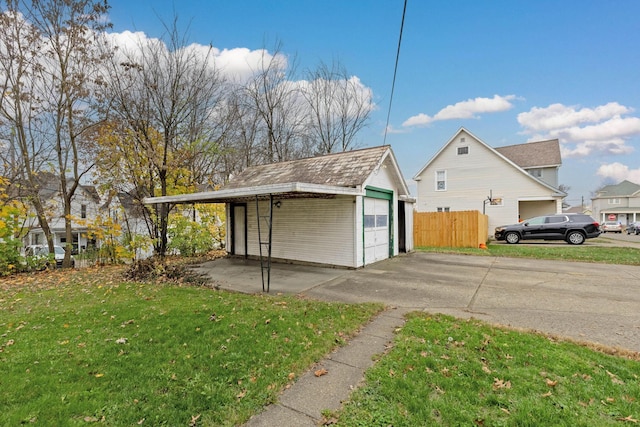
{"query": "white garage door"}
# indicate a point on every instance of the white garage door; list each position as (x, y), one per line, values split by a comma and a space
(376, 230)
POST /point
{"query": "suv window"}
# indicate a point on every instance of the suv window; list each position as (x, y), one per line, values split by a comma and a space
(556, 219)
(539, 220)
(580, 218)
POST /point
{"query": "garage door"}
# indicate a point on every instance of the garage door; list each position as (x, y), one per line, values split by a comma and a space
(376, 230)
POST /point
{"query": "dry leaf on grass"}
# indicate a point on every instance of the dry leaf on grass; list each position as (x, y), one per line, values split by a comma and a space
(499, 384)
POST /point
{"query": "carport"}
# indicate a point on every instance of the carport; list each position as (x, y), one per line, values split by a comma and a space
(344, 210)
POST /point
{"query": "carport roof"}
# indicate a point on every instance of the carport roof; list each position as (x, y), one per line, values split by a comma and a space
(324, 176)
(285, 190)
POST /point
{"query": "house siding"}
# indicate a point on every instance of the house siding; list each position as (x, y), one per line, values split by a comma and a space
(307, 230)
(471, 178)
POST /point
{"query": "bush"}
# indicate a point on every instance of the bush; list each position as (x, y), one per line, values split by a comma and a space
(188, 237)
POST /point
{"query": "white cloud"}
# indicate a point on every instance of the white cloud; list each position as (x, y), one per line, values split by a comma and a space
(619, 172)
(583, 131)
(558, 116)
(237, 64)
(469, 109)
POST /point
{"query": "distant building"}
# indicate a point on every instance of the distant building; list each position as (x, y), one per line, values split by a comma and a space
(618, 202)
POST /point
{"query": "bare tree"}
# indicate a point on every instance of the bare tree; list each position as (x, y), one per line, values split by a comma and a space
(166, 93)
(276, 100)
(339, 108)
(50, 44)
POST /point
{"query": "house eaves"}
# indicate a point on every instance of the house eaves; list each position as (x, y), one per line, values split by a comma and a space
(283, 190)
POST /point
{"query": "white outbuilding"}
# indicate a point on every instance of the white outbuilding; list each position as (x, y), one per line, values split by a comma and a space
(347, 209)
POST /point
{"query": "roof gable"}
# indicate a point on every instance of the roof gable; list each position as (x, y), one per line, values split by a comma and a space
(346, 169)
(625, 188)
(499, 156)
(533, 154)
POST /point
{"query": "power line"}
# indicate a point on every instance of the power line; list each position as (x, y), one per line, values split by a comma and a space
(395, 71)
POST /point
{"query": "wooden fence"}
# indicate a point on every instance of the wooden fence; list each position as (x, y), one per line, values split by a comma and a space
(462, 229)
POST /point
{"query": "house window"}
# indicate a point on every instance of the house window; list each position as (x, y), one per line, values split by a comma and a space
(441, 180)
(614, 201)
(463, 150)
(535, 173)
(443, 209)
(463, 139)
(83, 211)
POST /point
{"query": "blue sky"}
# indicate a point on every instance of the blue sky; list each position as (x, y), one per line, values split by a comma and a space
(509, 71)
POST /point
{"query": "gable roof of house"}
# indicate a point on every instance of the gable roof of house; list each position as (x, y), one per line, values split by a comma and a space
(328, 175)
(533, 154)
(496, 152)
(346, 169)
(623, 189)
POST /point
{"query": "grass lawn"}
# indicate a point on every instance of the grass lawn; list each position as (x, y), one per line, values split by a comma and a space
(82, 346)
(446, 371)
(599, 254)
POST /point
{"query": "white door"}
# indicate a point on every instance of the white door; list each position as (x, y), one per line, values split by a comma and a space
(239, 230)
(376, 230)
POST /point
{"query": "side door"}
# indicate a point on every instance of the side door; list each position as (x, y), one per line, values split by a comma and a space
(555, 227)
(533, 228)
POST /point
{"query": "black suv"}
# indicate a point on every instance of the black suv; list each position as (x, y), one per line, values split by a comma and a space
(572, 228)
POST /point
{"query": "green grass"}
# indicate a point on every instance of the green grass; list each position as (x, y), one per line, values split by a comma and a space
(85, 347)
(446, 371)
(597, 254)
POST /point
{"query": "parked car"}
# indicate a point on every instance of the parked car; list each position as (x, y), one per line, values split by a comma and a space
(42, 251)
(611, 227)
(633, 228)
(572, 228)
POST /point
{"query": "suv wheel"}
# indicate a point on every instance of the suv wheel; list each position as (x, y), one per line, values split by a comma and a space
(575, 238)
(512, 237)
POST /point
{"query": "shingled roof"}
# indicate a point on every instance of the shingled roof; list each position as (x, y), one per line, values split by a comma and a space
(533, 154)
(325, 176)
(623, 189)
(346, 169)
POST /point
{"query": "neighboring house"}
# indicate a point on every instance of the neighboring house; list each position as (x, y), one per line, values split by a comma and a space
(345, 209)
(508, 184)
(85, 209)
(619, 202)
(586, 210)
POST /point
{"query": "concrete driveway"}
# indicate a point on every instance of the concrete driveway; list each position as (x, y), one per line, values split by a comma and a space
(589, 302)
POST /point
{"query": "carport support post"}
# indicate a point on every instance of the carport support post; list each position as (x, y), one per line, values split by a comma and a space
(265, 264)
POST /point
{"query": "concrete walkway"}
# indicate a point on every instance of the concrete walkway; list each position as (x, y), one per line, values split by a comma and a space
(302, 404)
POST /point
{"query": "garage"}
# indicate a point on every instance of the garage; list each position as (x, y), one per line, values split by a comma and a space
(347, 209)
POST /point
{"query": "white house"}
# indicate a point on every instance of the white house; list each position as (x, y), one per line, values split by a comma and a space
(508, 184)
(85, 208)
(618, 202)
(346, 209)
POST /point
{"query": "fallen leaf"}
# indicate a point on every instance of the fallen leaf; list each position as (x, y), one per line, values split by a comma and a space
(242, 394)
(321, 372)
(194, 420)
(499, 384)
(547, 394)
(631, 420)
(291, 375)
(485, 369)
(99, 375)
(551, 383)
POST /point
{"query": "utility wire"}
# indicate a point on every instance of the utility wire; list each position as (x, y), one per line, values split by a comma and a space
(395, 71)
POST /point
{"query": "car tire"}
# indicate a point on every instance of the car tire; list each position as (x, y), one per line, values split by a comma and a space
(575, 238)
(512, 237)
